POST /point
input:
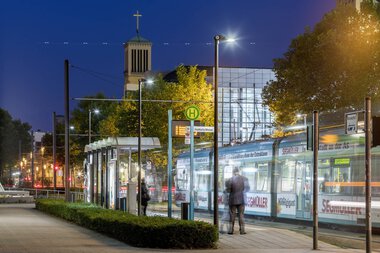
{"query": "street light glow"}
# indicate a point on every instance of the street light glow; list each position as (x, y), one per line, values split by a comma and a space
(96, 111)
(230, 39)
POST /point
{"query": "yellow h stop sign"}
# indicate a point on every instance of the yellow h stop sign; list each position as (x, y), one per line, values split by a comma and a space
(192, 112)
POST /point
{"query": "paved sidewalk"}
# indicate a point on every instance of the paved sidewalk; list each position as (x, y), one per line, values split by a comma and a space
(23, 229)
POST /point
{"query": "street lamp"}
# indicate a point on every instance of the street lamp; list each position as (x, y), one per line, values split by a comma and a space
(96, 111)
(304, 118)
(217, 39)
(141, 82)
(42, 166)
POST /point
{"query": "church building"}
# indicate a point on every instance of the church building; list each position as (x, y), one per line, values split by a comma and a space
(137, 59)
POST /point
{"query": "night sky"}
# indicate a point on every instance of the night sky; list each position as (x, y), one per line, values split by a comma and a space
(37, 35)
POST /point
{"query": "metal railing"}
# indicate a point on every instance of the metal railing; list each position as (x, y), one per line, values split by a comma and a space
(38, 193)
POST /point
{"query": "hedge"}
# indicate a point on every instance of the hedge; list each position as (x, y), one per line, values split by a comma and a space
(138, 231)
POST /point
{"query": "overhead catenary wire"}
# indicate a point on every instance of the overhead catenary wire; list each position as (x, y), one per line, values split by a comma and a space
(143, 100)
(160, 43)
(98, 75)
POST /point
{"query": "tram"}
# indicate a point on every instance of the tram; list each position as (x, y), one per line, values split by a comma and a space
(280, 175)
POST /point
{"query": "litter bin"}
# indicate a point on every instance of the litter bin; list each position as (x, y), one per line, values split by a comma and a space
(185, 210)
(123, 204)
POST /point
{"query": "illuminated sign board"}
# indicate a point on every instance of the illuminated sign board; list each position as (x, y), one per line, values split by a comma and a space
(179, 128)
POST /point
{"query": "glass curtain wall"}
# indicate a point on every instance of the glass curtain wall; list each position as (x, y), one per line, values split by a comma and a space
(243, 117)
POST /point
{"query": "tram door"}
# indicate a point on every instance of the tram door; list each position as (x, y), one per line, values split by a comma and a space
(303, 189)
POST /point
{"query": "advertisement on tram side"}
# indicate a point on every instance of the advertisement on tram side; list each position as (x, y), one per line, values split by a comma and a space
(346, 208)
(201, 200)
(286, 204)
(258, 203)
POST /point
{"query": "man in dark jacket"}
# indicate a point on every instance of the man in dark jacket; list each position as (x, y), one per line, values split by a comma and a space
(144, 196)
(237, 186)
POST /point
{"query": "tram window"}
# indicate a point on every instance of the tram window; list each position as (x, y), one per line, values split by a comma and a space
(323, 179)
(202, 177)
(288, 176)
(262, 177)
(257, 174)
(341, 175)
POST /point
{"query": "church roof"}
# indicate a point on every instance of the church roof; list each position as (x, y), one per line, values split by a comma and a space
(138, 38)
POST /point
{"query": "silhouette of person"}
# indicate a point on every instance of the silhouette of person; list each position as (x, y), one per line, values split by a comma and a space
(144, 196)
(237, 186)
(226, 218)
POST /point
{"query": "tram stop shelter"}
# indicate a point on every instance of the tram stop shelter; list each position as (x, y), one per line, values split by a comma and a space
(111, 170)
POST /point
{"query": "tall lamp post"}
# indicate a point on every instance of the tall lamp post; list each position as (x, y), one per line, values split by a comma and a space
(96, 111)
(141, 82)
(217, 39)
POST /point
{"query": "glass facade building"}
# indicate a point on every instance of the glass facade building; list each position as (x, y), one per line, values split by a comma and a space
(242, 115)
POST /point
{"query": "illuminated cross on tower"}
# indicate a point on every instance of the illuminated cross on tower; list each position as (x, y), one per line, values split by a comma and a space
(137, 15)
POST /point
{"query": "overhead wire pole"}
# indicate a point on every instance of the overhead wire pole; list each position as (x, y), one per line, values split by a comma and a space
(54, 153)
(32, 162)
(67, 130)
(315, 178)
(368, 192)
(139, 154)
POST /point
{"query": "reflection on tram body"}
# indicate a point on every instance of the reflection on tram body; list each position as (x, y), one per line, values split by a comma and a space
(280, 175)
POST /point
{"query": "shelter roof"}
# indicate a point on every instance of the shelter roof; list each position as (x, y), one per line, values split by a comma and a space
(124, 143)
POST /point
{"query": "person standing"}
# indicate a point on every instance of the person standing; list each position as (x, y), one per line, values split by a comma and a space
(226, 217)
(144, 196)
(237, 186)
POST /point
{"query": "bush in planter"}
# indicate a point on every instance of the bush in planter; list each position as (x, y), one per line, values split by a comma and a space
(141, 231)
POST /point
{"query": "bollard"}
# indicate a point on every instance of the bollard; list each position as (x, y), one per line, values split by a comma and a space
(72, 197)
(185, 210)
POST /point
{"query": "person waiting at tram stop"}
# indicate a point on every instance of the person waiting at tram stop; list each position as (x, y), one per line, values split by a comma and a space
(144, 196)
(226, 217)
(237, 187)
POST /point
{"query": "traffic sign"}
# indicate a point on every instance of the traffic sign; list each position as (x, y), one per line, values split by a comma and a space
(352, 123)
(192, 112)
(187, 136)
(202, 129)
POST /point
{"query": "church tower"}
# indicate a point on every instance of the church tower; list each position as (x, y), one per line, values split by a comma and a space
(137, 59)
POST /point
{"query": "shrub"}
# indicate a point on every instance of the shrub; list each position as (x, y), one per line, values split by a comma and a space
(139, 231)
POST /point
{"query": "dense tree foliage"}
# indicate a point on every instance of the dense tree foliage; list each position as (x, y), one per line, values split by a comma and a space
(334, 66)
(191, 88)
(121, 118)
(12, 132)
(80, 117)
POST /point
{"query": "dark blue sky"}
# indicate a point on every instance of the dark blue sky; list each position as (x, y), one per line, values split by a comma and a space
(33, 32)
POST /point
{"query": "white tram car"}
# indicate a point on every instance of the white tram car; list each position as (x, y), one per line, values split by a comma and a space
(280, 175)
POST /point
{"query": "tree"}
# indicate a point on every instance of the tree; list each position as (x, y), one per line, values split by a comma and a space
(80, 121)
(12, 132)
(191, 88)
(334, 66)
